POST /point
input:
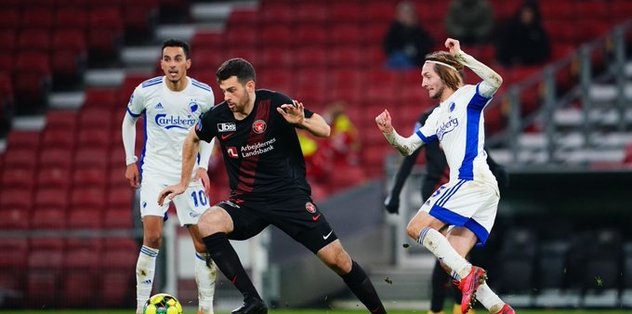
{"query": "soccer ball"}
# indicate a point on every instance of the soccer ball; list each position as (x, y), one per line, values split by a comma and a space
(162, 303)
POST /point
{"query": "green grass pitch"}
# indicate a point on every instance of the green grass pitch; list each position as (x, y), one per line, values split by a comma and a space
(313, 311)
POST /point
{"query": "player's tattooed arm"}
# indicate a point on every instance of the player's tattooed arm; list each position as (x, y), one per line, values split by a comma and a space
(489, 76)
(405, 145)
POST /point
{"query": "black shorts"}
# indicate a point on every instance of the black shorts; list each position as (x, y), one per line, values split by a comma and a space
(297, 216)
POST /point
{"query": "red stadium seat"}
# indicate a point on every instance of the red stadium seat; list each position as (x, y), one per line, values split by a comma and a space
(39, 18)
(72, 18)
(88, 198)
(106, 32)
(348, 11)
(43, 283)
(202, 40)
(348, 34)
(91, 157)
(34, 40)
(89, 177)
(116, 177)
(85, 217)
(312, 35)
(118, 218)
(55, 157)
(241, 36)
(382, 12)
(53, 197)
(95, 138)
(9, 19)
(349, 57)
(18, 178)
(276, 34)
(53, 177)
(10, 38)
(310, 57)
(118, 274)
(61, 119)
(14, 218)
(278, 58)
(13, 266)
(20, 158)
(103, 98)
(17, 139)
(94, 118)
(312, 13)
(31, 92)
(271, 13)
(59, 138)
(242, 17)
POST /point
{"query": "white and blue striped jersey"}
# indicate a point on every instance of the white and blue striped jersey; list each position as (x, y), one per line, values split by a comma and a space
(458, 124)
(168, 117)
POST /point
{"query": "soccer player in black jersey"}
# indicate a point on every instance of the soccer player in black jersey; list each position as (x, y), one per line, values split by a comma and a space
(263, 158)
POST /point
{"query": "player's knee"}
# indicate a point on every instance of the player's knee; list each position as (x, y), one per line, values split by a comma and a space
(212, 221)
(413, 230)
(153, 240)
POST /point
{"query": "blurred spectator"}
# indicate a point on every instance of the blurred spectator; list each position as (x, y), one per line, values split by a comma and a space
(469, 21)
(524, 40)
(344, 140)
(406, 42)
(317, 156)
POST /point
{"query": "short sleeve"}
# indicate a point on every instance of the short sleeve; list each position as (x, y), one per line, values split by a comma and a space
(135, 106)
(204, 128)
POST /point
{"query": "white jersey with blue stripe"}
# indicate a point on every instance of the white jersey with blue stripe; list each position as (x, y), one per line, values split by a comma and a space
(168, 117)
(458, 124)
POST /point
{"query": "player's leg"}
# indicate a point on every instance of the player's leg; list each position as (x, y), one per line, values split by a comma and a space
(152, 216)
(335, 256)
(190, 205)
(440, 281)
(205, 273)
(146, 263)
(214, 226)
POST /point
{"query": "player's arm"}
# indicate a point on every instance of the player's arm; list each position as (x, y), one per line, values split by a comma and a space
(190, 149)
(405, 145)
(491, 79)
(206, 149)
(295, 114)
(128, 134)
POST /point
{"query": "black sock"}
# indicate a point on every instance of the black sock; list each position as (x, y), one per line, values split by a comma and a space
(228, 262)
(361, 286)
(440, 281)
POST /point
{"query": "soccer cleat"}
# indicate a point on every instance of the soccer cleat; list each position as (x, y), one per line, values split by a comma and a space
(506, 310)
(253, 306)
(457, 310)
(468, 286)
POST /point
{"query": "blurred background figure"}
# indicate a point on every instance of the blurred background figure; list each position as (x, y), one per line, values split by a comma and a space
(344, 140)
(524, 41)
(317, 156)
(406, 42)
(470, 21)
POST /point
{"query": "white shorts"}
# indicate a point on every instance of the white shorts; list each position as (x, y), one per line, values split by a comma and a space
(467, 204)
(189, 205)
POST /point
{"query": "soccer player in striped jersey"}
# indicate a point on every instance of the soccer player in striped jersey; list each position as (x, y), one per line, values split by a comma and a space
(171, 105)
(460, 213)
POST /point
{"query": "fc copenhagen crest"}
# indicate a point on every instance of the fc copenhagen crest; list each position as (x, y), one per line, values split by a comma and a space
(259, 126)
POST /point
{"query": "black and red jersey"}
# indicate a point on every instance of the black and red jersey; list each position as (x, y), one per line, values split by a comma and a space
(262, 154)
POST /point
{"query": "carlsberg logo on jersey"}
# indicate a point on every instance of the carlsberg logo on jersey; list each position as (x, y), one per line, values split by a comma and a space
(446, 127)
(171, 121)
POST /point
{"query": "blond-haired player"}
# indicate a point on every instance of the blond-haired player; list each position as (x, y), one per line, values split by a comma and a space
(460, 213)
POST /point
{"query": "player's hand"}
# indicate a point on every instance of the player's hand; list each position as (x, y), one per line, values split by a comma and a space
(453, 45)
(202, 174)
(170, 192)
(383, 121)
(392, 204)
(132, 175)
(293, 113)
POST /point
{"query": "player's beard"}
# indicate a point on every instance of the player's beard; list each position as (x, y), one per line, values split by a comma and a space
(438, 93)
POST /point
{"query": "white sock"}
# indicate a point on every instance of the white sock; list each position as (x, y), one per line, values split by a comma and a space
(489, 299)
(145, 268)
(439, 245)
(205, 279)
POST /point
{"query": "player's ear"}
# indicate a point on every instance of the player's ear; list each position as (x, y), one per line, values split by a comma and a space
(188, 63)
(250, 86)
